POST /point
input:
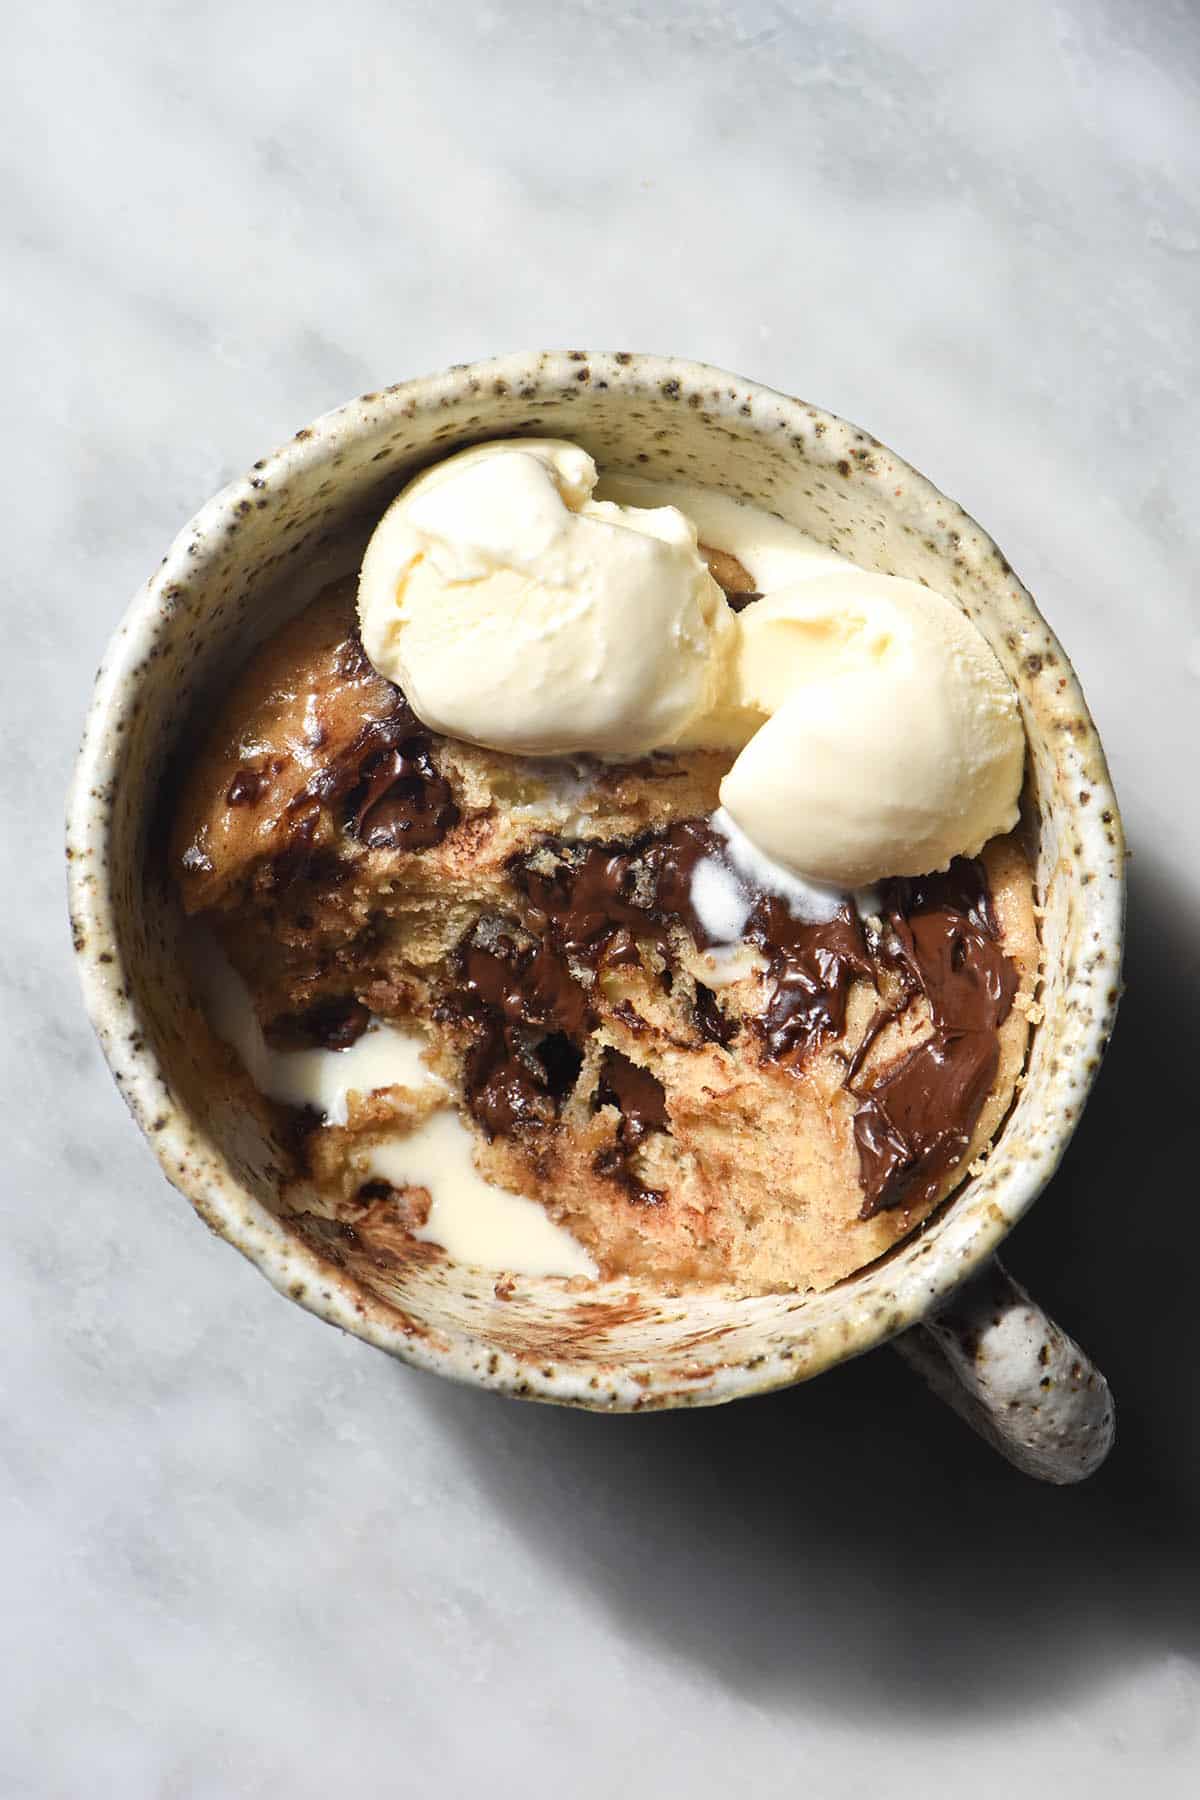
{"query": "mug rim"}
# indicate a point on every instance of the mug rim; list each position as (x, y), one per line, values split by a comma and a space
(192, 1162)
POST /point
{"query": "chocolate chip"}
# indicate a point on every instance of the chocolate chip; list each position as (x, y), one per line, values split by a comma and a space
(712, 1022)
(374, 1190)
(350, 659)
(300, 863)
(393, 795)
(589, 906)
(333, 1023)
(637, 1092)
(510, 988)
(810, 969)
(916, 1118)
(562, 1060)
(245, 788)
(401, 802)
(507, 1085)
(640, 1098)
(526, 981)
(629, 1015)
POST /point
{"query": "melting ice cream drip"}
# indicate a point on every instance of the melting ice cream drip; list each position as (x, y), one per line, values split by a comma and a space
(475, 1221)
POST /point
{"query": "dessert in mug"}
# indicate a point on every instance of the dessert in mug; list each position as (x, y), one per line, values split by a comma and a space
(609, 879)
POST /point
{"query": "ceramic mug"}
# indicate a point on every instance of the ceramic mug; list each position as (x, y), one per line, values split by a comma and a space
(236, 570)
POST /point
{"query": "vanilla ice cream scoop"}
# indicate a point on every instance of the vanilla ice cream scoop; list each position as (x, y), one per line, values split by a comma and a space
(891, 740)
(517, 612)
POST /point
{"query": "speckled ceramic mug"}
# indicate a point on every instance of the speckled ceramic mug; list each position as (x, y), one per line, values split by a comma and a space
(974, 1334)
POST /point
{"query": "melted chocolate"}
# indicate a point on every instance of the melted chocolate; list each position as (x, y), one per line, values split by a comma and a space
(508, 1084)
(598, 899)
(941, 936)
(402, 802)
(593, 905)
(301, 863)
(675, 855)
(330, 1024)
(350, 660)
(523, 1004)
(641, 1100)
(811, 968)
(636, 1092)
(245, 788)
(391, 792)
(589, 905)
(528, 984)
(629, 1015)
(915, 1120)
(585, 905)
(712, 1022)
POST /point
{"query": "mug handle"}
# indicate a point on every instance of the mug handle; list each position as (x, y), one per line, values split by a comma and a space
(992, 1354)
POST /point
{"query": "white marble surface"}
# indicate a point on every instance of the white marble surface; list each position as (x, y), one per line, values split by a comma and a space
(245, 1557)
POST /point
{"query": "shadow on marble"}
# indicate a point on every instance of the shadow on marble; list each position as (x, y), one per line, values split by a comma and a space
(848, 1545)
